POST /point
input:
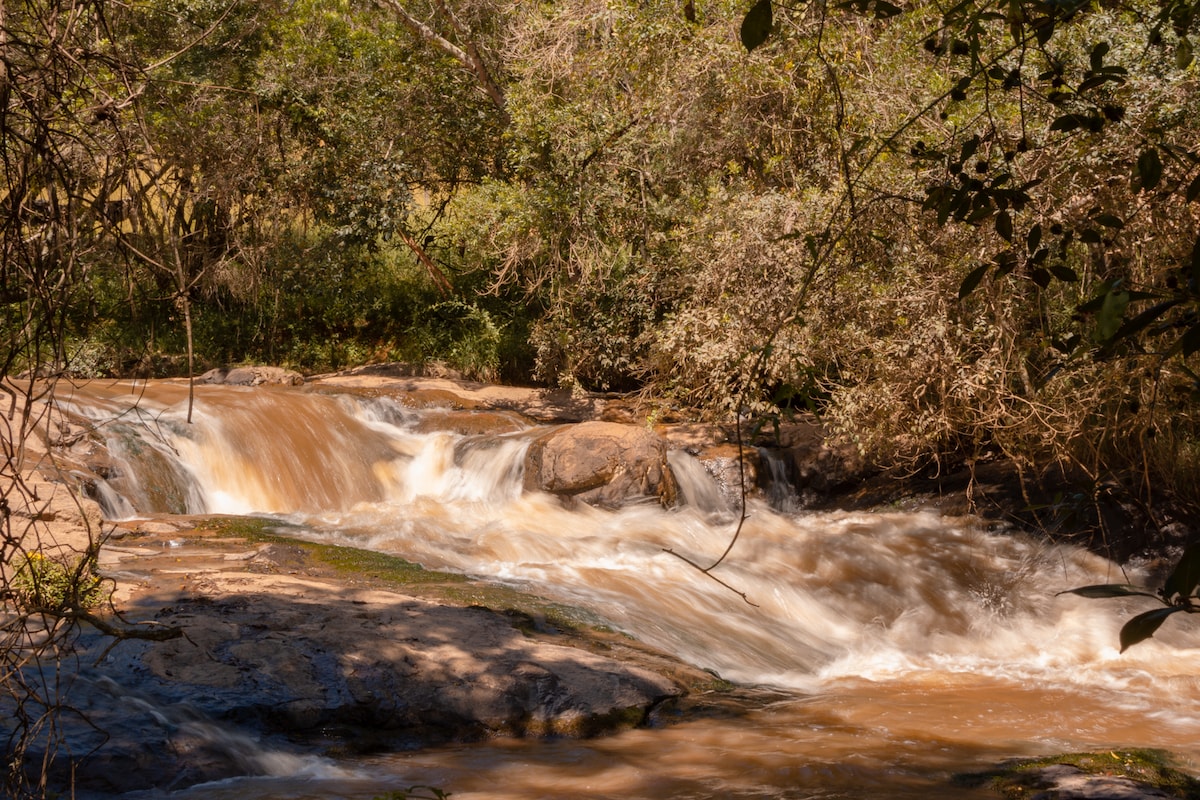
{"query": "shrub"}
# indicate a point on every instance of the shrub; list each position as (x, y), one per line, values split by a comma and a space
(41, 583)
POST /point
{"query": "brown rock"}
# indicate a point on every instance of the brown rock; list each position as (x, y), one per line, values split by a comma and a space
(602, 463)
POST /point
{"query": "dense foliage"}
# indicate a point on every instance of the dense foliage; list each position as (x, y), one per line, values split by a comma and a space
(957, 230)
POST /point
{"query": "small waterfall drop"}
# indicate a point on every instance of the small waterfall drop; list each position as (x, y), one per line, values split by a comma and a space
(835, 595)
(696, 485)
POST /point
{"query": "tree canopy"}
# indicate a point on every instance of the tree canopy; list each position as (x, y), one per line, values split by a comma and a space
(957, 230)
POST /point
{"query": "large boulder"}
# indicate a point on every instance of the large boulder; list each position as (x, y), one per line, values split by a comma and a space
(252, 376)
(601, 463)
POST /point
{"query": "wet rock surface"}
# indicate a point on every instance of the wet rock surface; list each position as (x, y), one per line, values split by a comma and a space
(273, 645)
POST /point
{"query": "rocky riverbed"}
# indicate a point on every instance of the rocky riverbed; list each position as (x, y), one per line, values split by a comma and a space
(334, 650)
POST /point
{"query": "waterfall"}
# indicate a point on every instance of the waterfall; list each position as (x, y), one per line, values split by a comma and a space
(834, 594)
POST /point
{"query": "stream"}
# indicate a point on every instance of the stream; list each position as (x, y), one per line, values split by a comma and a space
(892, 650)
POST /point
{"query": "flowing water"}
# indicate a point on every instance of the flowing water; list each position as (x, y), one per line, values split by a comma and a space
(896, 648)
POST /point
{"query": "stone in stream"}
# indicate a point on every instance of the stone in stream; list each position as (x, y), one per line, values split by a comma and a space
(600, 463)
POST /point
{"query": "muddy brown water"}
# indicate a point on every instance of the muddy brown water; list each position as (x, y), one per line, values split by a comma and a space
(893, 650)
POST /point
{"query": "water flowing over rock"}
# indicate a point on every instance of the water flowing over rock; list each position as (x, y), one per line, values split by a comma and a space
(601, 463)
(898, 636)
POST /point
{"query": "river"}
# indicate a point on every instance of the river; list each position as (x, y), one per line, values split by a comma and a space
(891, 650)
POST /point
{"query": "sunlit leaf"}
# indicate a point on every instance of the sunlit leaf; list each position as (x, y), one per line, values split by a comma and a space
(1143, 626)
(756, 26)
(1142, 321)
(1112, 309)
(1183, 53)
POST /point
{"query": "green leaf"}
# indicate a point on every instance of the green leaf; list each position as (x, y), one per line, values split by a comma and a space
(1004, 226)
(972, 280)
(884, 9)
(1112, 310)
(1140, 322)
(1193, 189)
(1148, 171)
(1186, 575)
(1110, 221)
(1064, 273)
(1034, 238)
(1183, 53)
(1143, 626)
(1067, 122)
(756, 26)
(1105, 590)
(1041, 277)
(1190, 341)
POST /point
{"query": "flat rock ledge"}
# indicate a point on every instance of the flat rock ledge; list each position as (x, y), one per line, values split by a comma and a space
(270, 650)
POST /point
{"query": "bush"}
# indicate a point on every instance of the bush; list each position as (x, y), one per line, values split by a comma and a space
(41, 583)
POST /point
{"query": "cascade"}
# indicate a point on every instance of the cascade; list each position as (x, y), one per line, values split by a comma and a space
(881, 608)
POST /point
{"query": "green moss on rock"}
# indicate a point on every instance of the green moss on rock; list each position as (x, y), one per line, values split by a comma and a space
(1026, 777)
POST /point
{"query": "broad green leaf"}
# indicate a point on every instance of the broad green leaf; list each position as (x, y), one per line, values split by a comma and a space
(1112, 309)
(972, 280)
(1104, 590)
(1184, 578)
(756, 26)
(1142, 320)
(1189, 343)
(1143, 626)
(884, 9)
(1148, 171)
(1041, 277)
(1183, 53)
(1193, 189)
(1063, 273)
(1034, 238)
(1004, 226)
(1110, 221)
(1067, 122)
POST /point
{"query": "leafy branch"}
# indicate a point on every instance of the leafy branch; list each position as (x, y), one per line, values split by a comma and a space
(1177, 595)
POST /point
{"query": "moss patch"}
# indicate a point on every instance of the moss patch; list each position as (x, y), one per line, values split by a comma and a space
(1154, 768)
(528, 613)
(343, 560)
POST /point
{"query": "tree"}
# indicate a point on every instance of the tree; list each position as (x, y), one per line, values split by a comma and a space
(1055, 150)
